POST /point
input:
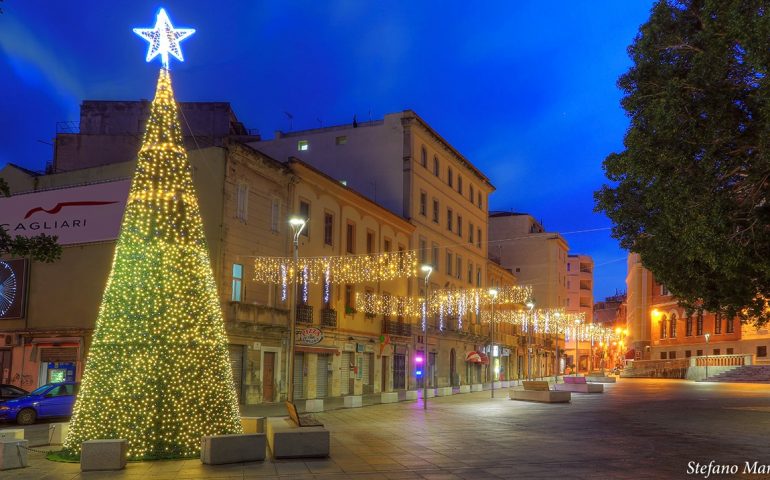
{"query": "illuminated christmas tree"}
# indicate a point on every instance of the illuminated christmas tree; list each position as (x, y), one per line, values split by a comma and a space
(158, 372)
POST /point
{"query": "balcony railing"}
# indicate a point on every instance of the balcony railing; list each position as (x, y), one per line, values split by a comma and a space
(304, 314)
(721, 360)
(329, 317)
(397, 328)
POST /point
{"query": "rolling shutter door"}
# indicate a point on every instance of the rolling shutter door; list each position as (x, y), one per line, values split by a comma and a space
(345, 374)
(365, 374)
(322, 376)
(299, 380)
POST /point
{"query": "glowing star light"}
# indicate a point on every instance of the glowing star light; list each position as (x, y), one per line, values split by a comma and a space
(164, 38)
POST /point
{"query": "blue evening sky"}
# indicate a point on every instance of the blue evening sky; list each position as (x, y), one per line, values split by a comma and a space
(525, 89)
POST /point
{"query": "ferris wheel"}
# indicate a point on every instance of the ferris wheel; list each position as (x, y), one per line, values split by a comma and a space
(7, 287)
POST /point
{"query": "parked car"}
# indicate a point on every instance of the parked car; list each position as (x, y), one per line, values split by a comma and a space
(51, 400)
(9, 392)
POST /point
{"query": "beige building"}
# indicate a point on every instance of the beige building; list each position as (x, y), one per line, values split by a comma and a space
(580, 285)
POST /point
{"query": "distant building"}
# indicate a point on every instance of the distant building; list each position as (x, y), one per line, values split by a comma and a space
(611, 312)
(580, 285)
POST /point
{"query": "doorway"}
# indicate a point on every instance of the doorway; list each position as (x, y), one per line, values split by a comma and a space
(268, 377)
(454, 379)
(384, 375)
(399, 372)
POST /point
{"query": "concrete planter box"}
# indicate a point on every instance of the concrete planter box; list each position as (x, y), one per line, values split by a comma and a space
(353, 401)
(431, 392)
(477, 387)
(13, 453)
(548, 396)
(465, 389)
(444, 391)
(12, 434)
(59, 432)
(389, 397)
(601, 379)
(103, 455)
(287, 440)
(498, 385)
(222, 449)
(315, 405)
(579, 387)
(253, 424)
(505, 384)
(411, 394)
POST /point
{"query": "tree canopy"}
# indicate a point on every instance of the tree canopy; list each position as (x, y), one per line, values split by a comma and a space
(689, 191)
(42, 247)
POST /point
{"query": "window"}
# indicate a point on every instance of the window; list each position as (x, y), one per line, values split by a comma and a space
(688, 353)
(369, 242)
(459, 225)
(729, 351)
(424, 157)
(470, 273)
(699, 324)
(459, 184)
(350, 238)
(672, 355)
(672, 327)
(386, 245)
(448, 263)
(459, 267)
(423, 251)
(717, 351)
(423, 203)
(470, 234)
(328, 228)
(435, 210)
(449, 177)
(568, 266)
(303, 146)
(304, 212)
(688, 325)
(350, 296)
(436, 171)
(449, 219)
(717, 324)
(434, 256)
(761, 350)
(478, 277)
(471, 193)
(275, 215)
(237, 282)
(664, 291)
(663, 323)
(341, 140)
(663, 355)
(479, 200)
(242, 205)
(478, 237)
(730, 325)
(699, 353)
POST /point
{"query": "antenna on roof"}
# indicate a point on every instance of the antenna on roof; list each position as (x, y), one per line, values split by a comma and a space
(291, 119)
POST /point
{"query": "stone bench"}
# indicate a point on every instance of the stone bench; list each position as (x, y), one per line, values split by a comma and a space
(477, 387)
(412, 394)
(12, 434)
(103, 455)
(431, 392)
(13, 453)
(539, 392)
(353, 401)
(253, 424)
(465, 389)
(600, 379)
(580, 387)
(389, 397)
(443, 391)
(222, 449)
(287, 440)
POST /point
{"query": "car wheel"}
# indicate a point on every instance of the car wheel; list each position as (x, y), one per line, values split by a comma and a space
(26, 417)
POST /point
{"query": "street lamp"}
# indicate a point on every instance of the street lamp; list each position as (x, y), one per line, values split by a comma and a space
(531, 305)
(707, 335)
(297, 225)
(427, 269)
(493, 294)
(577, 336)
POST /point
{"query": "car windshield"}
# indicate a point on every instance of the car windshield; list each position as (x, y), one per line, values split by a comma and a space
(40, 390)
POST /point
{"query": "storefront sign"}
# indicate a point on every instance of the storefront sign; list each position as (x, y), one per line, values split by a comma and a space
(310, 336)
(90, 213)
(506, 352)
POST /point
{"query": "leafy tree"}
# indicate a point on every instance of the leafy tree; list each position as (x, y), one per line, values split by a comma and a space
(690, 190)
(42, 247)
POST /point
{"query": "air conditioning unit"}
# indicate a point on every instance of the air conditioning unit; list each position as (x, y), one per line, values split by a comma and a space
(10, 340)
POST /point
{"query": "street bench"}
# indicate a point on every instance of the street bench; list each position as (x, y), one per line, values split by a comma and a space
(301, 420)
(578, 385)
(287, 439)
(238, 448)
(539, 391)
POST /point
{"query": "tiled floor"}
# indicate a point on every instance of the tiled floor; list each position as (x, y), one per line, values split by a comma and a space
(640, 429)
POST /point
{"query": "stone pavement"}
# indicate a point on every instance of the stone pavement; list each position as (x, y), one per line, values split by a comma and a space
(637, 429)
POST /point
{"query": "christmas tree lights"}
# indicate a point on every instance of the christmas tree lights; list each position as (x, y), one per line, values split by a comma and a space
(158, 372)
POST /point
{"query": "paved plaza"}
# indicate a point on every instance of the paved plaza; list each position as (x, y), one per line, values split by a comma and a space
(637, 429)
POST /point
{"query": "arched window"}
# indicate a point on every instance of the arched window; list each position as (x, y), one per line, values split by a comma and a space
(688, 325)
(436, 170)
(663, 325)
(672, 328)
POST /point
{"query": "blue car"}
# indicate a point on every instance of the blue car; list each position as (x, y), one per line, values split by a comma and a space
(51, 400)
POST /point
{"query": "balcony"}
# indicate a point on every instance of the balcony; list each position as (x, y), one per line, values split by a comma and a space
(329, 318)
(304, 314)
(399, 329)
(246, 314)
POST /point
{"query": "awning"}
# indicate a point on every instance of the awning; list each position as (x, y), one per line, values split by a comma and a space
(472, 357)
(484, 358)
(321, 350)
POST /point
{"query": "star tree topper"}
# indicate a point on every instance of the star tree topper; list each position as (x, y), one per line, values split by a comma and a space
(164, 38)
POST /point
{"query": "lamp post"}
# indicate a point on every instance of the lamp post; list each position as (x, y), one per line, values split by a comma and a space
(531, 305)
(297, 225)
(493, 294)
(556, 355)
(707, 335)
(577, 339)
(427, 269)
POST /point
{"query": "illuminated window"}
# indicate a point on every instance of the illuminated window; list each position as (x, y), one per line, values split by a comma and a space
(303, 146)
(663, 324)
(237, 282)
(672, 326)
